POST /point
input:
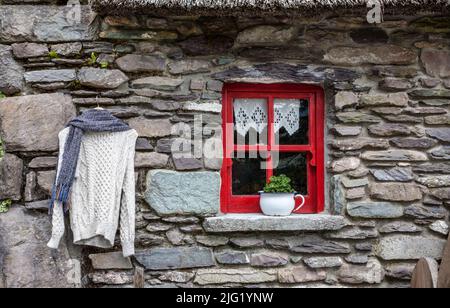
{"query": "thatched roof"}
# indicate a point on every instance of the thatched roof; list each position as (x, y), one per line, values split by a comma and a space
(220, 7)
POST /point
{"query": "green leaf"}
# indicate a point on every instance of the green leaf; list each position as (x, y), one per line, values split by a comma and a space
(2, 95)
(279, 184)
(53, 54)
(104, 65)
(4, 206)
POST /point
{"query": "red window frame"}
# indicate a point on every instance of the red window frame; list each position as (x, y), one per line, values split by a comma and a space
(315, 150)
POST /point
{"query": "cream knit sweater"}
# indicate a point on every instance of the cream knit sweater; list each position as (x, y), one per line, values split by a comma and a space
(103, 191)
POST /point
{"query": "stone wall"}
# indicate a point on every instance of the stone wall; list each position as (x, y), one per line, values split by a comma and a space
(388, 135)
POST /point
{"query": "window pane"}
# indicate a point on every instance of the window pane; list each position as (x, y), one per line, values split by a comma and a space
(291, 121)
(294, 165)
(250, 121)
(249, 175)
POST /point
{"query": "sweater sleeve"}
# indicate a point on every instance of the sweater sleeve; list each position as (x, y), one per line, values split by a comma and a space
(128, 204)
(58, 226)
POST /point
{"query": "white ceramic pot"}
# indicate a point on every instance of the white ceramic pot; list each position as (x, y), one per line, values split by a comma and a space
(279, 204)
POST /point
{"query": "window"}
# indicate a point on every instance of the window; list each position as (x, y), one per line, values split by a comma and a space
(272, 130)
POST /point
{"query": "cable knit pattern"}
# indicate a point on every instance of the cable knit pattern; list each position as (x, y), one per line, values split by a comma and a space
(103, 191)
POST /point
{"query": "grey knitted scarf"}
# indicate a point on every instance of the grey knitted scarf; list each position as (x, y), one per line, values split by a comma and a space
(90, 121)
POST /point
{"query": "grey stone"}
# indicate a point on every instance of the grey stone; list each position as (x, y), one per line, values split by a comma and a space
(345, 99)
(134, 63)
(435, 167)
(441, 134)
(356, 193)
(430, 82)
(411, 143)
(406, 247)
(301, 274)
(38, 205)
(339, 203)
(436, 62)
(111, 278)
(430, 94)
(395, 84)
(171, 192)
(435, 181)
(45, 181)
(186, 67)
(112, 260)
(158, 227)
(68, 49)
(29, 50)
(24, 124)
(232, 257)
(11, 74)
(440, 227)
(175, 237)
(11, 168)
(395, 191)
(158, 83)
(316, 245)
(357, 259)
(239, 276)
(247, 242)
(143, 144)
(388, 100)
(397, 174)
(380, 210)
(400, 271)
(345, 164)
(360, 143)
(372, 273)
(399, 227)
(354, 183)
(380, 54)
(254, 222)
(323, 262)
(47, 76)
(181, 220)
(186, 163)
(175, 258)
(47, 23)
(101, 78)
(151, 128)
(212, 240)
(355, 117)
(443, 119)
(436, 102)
(367, 247)
(354, 234)
(422, 212)
(31, 193)
(150, 160)
(395, 155)
(441, 193)
(442, 153)
(179, 277)
(265, 259)
(25, 259)
(266, 36)
(146, 239)
(389, 130)
(43, 162)
(345, 131)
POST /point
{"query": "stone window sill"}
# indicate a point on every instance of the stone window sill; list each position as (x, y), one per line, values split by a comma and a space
(259, 222)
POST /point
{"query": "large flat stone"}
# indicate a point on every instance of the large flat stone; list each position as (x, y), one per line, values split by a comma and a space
(381, 54)
(151, 128)
(301, 274)
(11, 74)
(110, 260)
(11, 168)
(175, 258)
(405, 247)
(372, 273)
(436, 62)
(395, 191)
(393, 175)
(101, 78)
(25, 124)
(47, 76)
(266, 36)
(239, 276)
(47, 23)
(255, 222)
(170, 192)
(395, 155)
(441, 134)
(25, 260)
(134, 63)
(378, 210)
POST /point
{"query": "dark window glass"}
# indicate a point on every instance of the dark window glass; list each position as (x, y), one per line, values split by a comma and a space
(294, 116)
(249, 174)
(294, 165)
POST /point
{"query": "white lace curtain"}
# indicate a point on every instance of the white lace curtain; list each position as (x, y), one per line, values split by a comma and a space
(252, 113)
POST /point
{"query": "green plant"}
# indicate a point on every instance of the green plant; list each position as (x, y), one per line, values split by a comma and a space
(4, 206)
(93, 59)
(2, 152)
(53, 54)
(279, 184)
(2, 95)
(104, 65)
